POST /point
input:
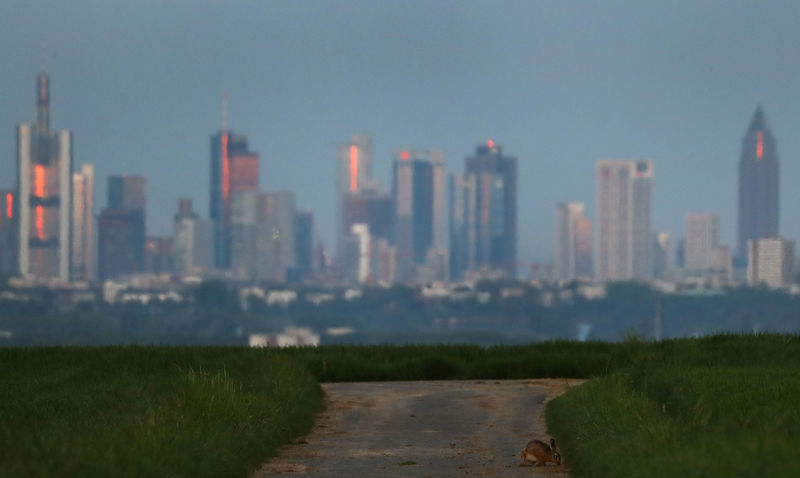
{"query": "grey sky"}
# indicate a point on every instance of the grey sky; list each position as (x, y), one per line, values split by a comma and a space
(558, 84)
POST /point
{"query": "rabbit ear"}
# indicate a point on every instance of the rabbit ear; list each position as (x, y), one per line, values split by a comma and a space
(553, 443)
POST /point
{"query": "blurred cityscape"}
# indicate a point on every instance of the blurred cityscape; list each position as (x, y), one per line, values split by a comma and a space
(443, 235)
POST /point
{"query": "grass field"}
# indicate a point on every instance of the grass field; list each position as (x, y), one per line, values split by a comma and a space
(718, 406)
(147, 412)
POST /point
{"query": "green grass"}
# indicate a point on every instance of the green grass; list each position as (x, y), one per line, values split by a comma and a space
(719, 406)
(443, 362)
(148, 411)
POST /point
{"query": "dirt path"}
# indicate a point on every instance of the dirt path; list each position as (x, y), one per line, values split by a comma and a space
(424, 429)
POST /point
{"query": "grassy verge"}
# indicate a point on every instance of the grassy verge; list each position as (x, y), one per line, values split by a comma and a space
(148, 411)
(720, 406)
(204, 411)
(723, 405)
(443, 362)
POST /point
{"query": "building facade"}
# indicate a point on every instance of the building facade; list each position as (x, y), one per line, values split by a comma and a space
(412, 198)
(702, 236)
(231, 161)
(573, 242)
(770, 261)
(44, 186)
(353, 177)
(121, 228)
(83, 224)
(758, 185)
(495, 221)
(462, 217)
(624, 233)
(192, 241)
(9, 262)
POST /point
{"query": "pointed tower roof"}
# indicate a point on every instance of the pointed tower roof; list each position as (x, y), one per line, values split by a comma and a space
(759, 121)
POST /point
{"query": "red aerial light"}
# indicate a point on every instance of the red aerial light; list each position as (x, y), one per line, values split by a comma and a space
(40, 222)
(490, 143)
(39, 181)
(404, 155)
(9, 205)
(353, 168)
(226, 168)
(760, 145)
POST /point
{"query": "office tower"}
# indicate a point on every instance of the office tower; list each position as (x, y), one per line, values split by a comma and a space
(158, 255)
(121, 229)
(126, 192)
(660, 254)
(758, 185)
(362, 263)
(120, 250)
(440, 239)
(44, 185)
(275, 253)
(721, 264)
(771, 261)
(495, 209)
(462, 225)
(438, 257)
(304, 243)
(371, 207)
(225, 169)
(680, 253)
(353, 175)
(412, 194)
(192, 241)
(241, 234)
(624, 236)
(384, 263)
(83, 224)
(573, 242)
(8, 234)
(701, 238)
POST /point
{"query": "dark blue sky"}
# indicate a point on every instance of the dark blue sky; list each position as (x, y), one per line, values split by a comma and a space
(558, 84)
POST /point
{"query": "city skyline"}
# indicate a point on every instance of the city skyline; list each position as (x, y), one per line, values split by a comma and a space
(163, 119)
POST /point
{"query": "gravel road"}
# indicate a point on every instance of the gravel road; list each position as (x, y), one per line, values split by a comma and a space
(424, 429)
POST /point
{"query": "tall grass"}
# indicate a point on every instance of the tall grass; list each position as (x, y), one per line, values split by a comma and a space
(413, 362)
(148, 411)
(719, 406)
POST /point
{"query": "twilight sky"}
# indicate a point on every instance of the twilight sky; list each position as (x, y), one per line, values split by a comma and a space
(558, 84)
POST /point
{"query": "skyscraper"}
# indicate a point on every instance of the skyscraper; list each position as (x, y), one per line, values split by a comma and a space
(495, 209)
(353, 179)
(758, 185)
(44, 184)
(275, 251)
(624, 237)
(8, 233)
(660, 254)
(412, 195)
(702, 236)
(83, 224)
(304, 243)
(192, 241)
(233, 168)
(573, 242)
(462, 225)
(771, 261)
(121, 228)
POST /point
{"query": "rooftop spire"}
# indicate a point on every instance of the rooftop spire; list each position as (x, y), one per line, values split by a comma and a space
(43, 102)
(759, 121)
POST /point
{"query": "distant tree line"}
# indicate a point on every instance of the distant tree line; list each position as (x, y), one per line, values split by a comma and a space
(212, 313)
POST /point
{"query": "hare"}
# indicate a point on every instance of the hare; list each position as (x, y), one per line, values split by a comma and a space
(540, 452)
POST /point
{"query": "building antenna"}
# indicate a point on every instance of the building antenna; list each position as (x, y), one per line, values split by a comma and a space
(224, 112)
